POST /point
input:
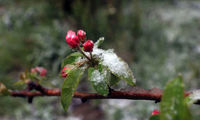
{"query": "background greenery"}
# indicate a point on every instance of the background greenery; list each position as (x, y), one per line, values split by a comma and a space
(159, 39)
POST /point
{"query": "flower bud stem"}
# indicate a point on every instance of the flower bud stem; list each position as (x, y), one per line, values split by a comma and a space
(79, 48)
(91, 56)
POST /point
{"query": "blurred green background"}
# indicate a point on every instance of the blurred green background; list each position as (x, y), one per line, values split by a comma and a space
(158, 39)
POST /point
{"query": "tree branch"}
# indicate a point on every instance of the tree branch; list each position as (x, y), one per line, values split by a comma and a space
(154, 94)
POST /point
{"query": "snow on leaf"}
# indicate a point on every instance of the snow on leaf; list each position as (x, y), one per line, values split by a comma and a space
(80, 59)
(98, 80)
(194, 96)
(115, 64)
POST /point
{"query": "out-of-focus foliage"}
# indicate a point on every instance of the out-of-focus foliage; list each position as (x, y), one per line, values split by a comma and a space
(157, 38)
(173, 105)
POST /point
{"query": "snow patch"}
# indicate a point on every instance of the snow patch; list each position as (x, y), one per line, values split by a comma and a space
(113, 62)
(97, 77)
(195, 96)
(80, 59)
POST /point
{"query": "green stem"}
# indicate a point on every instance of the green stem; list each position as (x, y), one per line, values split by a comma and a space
(91, 56)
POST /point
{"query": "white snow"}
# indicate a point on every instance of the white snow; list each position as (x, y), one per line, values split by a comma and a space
(97, 77)
(99, 80)
(80, 59)
(195, 95)
(114, 63)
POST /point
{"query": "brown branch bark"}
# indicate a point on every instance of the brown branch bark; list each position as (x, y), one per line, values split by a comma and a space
(154, 94)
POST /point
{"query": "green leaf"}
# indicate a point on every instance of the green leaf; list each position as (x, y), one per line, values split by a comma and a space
(99, 79)
(113, 80)
(155, 117)
(20, 82)
(69, 86)
(118, 114)
(99, 42)
(71, 58)
(173, 106)
(115, 65)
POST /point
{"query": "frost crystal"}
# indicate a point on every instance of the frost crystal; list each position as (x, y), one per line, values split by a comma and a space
(114, 63)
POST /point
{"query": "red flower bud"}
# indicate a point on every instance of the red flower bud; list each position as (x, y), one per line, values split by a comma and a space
(81, 35)
(33, 70)
(72, 39)
(155, 112)
(64, 73)
(43, 72)
(65, 70)
(88, 46)
(38, 69)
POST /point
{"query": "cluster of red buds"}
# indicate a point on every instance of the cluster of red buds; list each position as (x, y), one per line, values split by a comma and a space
(74, 40)
(42, 71)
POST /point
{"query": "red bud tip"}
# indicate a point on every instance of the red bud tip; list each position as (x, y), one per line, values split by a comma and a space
(63, 72)
(155, 112)
(81, 35)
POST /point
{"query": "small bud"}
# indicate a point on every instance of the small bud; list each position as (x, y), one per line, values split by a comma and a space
(81, 35)
(33, 70)
(88, 46)
(37, 69)
(42, 71)
(63, 73)
(155, 112)
(72, 39)
(65, 70)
